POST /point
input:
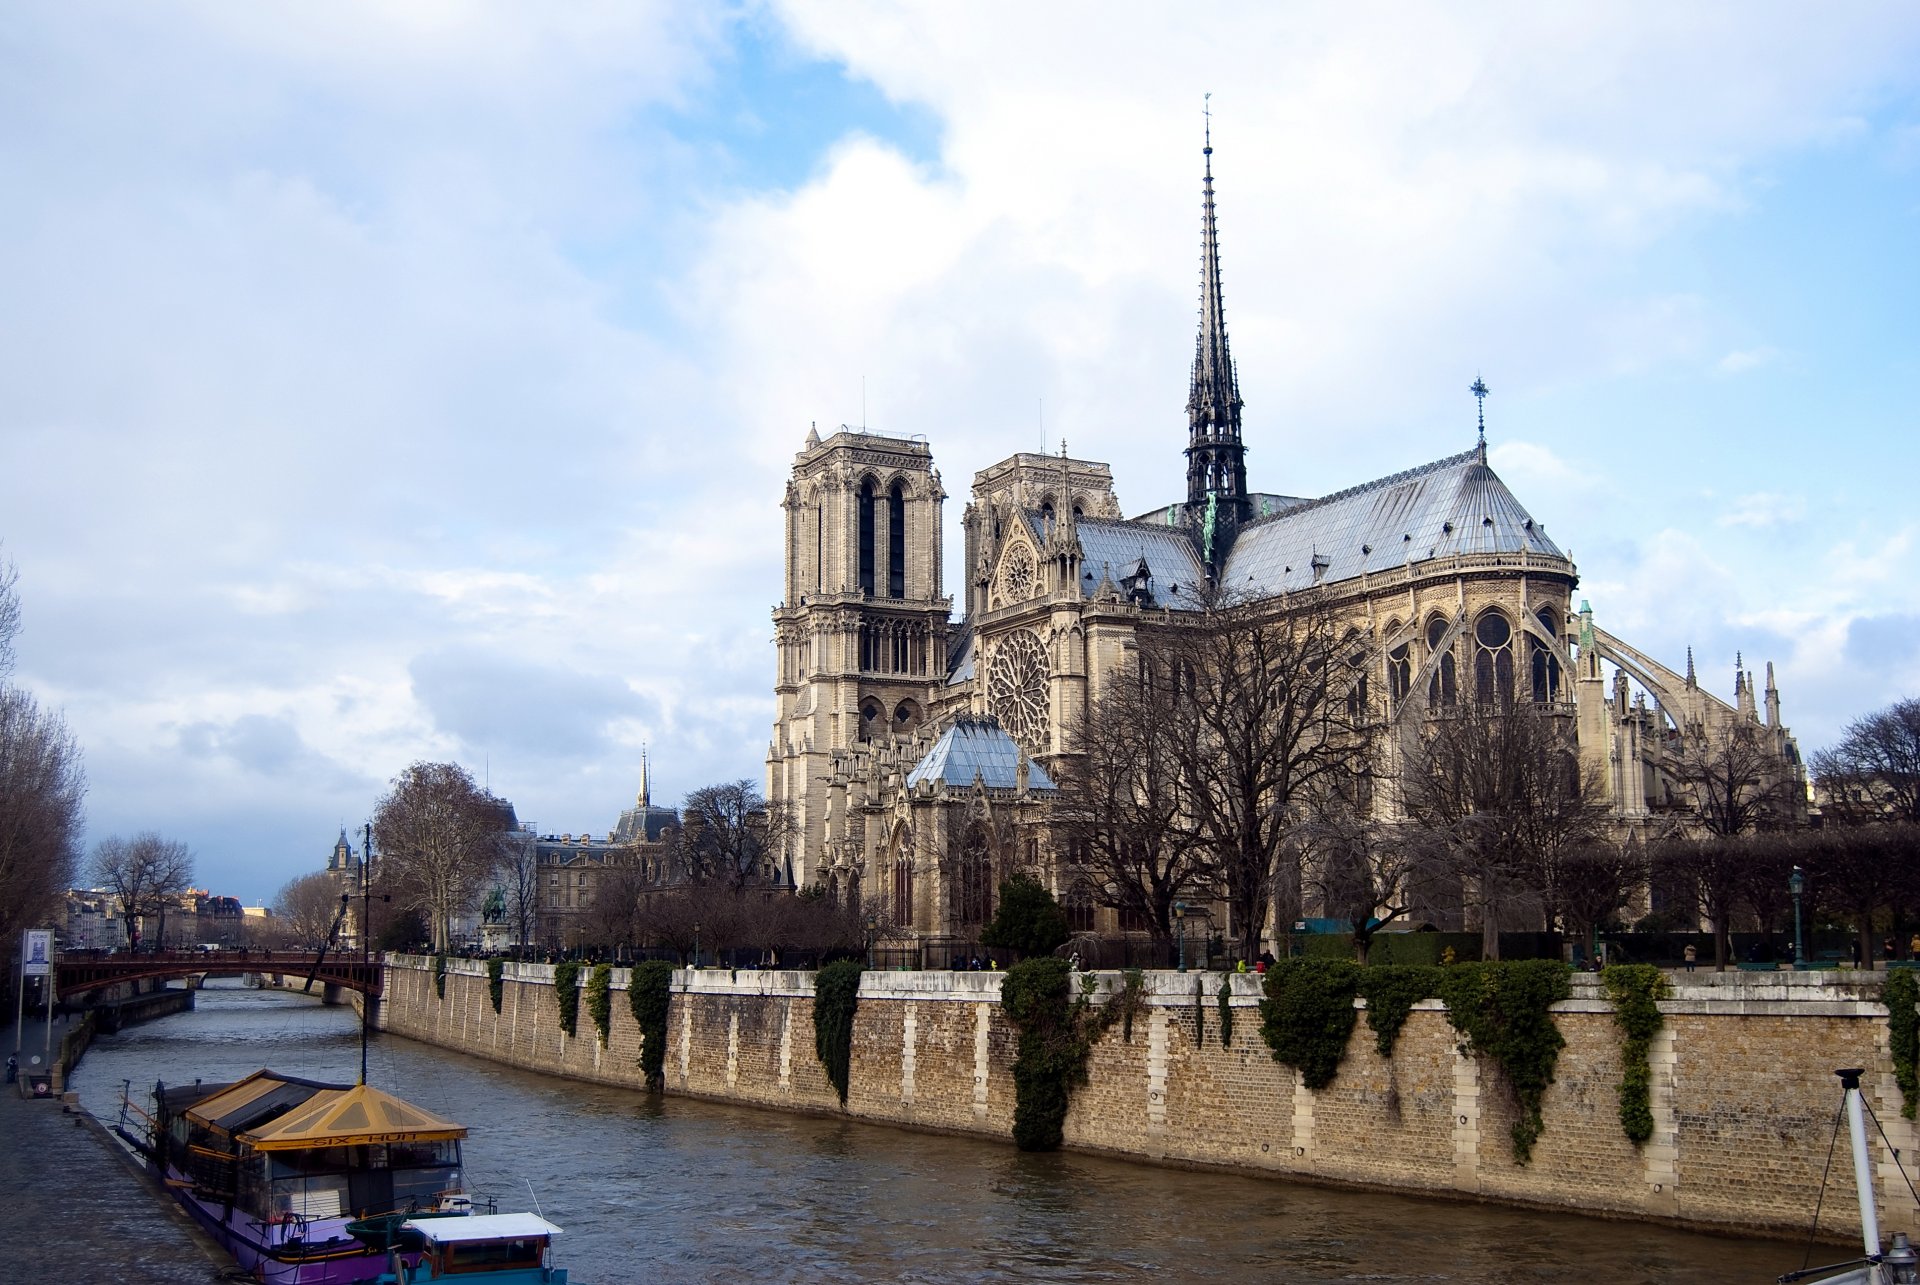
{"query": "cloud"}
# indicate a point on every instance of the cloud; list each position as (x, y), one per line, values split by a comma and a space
(1764, 509)
(499, 704)
(1744, 360)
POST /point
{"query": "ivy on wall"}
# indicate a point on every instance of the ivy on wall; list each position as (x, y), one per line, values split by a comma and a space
(1056, 1042)
(1501, 1010)
(600, 1000)
(1899, 993)
(496, 984)
(1226, 1012)
(1635, 990)
(1308, 1015)
(1128, 1003)
(440, 976)
(566, 993)
(836, 993)
(649, 993)
(1391, 991)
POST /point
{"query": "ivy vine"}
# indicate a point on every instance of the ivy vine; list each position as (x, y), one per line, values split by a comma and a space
(1056, 1042)
(1900, 993)
(496, 983)
(1391, 991)
(600, 1000)
(836, 992)
(1501, 1011)
(1128, 1003)
(440, 976)
(649, 992)
(566, 993)
(1308, 1015)
(1226, 1012)
(1635, 990)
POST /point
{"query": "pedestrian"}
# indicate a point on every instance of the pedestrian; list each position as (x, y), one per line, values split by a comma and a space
(1913, 947)
(1689, 955)
(1073, 961)
(13, 1068)
(1267, 960)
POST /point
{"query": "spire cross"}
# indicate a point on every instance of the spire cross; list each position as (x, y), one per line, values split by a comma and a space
(1480, 390)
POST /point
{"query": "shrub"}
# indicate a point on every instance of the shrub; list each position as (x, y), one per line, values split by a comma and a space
(496, 983)
(1501, 1010)
(649, 993)
(600, 1000)
(1027, 919)
(836, 992)
(1226, 1012)
(1899, 993)
(1634, 990)
(566, 993)
(1308, 1015)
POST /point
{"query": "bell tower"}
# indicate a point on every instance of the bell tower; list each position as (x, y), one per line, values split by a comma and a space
(861, 636)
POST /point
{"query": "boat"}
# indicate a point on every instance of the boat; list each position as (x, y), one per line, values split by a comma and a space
(280, 1170)
(494, 1249)
(1898, 1264)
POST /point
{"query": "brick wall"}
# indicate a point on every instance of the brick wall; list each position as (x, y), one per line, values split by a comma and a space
(1744, 1096)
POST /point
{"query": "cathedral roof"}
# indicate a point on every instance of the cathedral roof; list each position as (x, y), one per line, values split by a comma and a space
(1114, 548)
(1453, 505)
(977, 747)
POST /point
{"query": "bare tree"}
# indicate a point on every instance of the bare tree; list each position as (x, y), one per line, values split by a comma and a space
(1499, 790)
(9, 613)
(308, 906)
(1119, 814)
(1368, 873)
(439, 834)
(1732, 780)
(1265, 711)
(1874, 771)
(517, 873)
(1708, 873)
(612, 919)
(1593, 881)
(732, 836)
(42, 785)
(144, 873)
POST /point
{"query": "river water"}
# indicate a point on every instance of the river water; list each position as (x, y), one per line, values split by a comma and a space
(674, 1190)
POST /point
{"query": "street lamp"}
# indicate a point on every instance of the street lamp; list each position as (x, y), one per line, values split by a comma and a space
(871, 925)
(696, 945)
(1797, 884)
(1180, 923)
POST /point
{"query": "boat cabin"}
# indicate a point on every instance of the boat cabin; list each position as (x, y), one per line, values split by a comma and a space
(287, 1149)
(497, 1249)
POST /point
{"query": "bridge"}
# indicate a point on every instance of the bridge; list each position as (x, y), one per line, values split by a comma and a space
(76, 974)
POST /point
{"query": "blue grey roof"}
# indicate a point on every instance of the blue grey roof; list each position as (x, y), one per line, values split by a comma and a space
(1114, 548)
(1454, 505)
(977, 747)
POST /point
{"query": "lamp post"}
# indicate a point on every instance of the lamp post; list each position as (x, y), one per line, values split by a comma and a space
(1797, 884)
(696, 945)
(871, 925)
(1180, 923)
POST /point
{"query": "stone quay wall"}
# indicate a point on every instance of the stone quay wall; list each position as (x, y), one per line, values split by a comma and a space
(1744, 1098)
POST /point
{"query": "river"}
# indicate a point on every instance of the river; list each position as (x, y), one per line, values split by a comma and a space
(674, 1190)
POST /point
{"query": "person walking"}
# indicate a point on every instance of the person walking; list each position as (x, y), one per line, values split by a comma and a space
(1689, 955)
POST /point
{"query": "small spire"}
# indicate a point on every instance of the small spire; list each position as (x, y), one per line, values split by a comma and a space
(1480, 390)
(646, 793)
(1739, 672)
(1692, 681)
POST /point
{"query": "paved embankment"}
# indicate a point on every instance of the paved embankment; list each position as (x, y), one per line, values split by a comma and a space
(75, 1206)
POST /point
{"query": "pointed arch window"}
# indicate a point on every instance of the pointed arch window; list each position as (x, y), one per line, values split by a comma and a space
(897, 541)
(1399, 667)
(973, 878)
(903, 889)
(866, 518)
(1079, 907)
(1444, 687)
(1493, 660)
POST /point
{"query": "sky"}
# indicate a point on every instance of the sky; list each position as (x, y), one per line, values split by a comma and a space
(387, 382)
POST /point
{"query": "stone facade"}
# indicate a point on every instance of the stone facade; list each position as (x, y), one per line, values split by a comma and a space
(1743, 1089)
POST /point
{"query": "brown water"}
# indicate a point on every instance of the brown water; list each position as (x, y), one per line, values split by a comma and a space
(673, 1190)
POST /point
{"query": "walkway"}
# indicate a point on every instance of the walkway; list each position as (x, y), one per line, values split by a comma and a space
(76, 1207)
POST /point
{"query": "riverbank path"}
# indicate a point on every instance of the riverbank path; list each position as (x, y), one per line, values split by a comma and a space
(75, 1206)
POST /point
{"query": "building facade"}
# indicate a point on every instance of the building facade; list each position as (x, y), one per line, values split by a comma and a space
(911, 748)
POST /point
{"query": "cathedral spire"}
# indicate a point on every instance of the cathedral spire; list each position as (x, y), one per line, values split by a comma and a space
(1216, 458)
(646, 792)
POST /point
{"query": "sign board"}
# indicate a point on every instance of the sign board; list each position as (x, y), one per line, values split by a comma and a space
(36, 954)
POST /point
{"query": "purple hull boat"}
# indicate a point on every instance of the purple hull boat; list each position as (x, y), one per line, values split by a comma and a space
(277, 1169)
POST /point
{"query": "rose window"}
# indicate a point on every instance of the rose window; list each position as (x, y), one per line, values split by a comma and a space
(1016, 574)
(1017, 689)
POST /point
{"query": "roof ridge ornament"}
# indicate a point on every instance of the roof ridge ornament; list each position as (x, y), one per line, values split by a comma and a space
(1480, 390)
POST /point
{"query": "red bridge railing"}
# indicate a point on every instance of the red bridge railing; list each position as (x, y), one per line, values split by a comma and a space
(78, 973)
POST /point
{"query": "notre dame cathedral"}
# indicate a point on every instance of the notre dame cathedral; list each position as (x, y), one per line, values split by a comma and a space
(915, 750)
